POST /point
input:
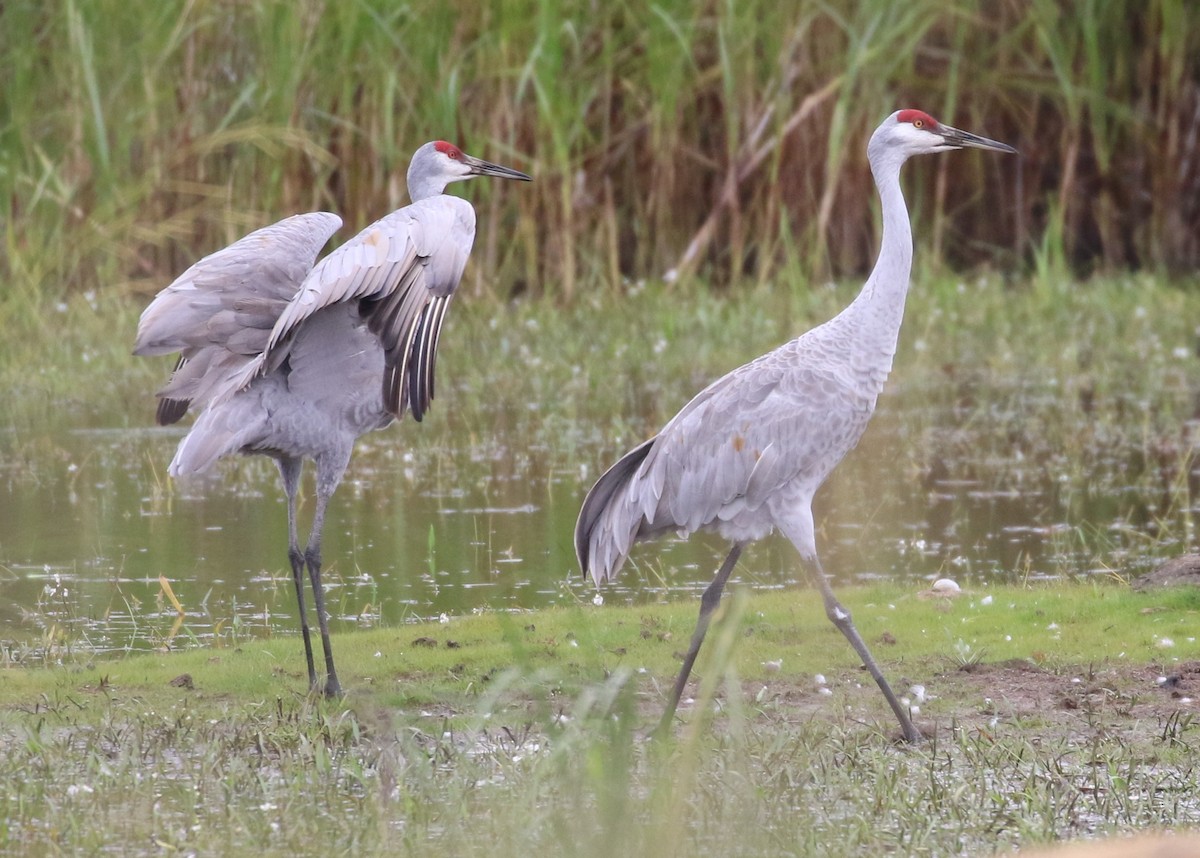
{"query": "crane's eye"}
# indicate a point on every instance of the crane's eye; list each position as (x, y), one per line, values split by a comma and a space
(918, 123)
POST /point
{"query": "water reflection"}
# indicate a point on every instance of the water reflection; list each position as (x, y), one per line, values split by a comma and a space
(466, 520)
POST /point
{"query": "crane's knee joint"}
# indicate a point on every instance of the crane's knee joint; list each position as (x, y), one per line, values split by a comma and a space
(838, 615)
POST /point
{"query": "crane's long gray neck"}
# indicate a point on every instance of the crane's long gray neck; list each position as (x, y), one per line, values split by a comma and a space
(879, 307)
(422, 187)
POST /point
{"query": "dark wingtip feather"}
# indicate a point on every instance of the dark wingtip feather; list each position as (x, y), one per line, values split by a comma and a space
(600, 494)
(171, 410)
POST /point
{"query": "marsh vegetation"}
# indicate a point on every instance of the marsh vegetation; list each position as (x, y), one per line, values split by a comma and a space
(1036, 441)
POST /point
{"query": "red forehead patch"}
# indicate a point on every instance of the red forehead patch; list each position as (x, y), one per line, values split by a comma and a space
(452, 151)
(917, 116)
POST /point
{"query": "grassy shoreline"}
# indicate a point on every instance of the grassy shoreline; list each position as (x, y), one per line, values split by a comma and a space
(1051, 625)
(496, 734)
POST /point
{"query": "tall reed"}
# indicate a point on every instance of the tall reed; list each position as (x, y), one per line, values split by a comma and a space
(718, 139)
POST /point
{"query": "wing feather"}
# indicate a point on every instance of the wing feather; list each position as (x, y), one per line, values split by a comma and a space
(403, 268)
(219, 313)
(727, 453)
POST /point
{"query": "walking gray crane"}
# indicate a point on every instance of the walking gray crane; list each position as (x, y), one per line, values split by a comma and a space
(295, 360)
(747, 454)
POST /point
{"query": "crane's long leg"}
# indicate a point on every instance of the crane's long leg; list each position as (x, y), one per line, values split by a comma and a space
(841, 618)
(708, 604)
(289, 470)
(329, 473)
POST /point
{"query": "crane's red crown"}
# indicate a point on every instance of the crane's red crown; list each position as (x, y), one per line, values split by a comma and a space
(917, 118)
(450, 150)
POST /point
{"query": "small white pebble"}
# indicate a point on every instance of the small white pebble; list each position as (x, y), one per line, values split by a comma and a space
(824, 690)
(1162, 680)
(820, 679)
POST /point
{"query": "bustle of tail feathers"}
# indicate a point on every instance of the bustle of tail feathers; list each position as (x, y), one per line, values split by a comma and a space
(215, 433)
(597, 511)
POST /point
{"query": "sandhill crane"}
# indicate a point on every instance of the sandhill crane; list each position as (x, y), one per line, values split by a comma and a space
(294, 360)
(747, 454)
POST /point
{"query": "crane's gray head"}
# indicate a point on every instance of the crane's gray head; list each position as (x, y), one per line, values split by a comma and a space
(914, 132)
(439, 163)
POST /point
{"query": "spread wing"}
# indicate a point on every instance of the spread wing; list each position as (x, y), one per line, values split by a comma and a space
(220, 313)
(404, 269)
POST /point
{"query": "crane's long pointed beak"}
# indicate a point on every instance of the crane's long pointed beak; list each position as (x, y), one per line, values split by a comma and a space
(955, 137)
(479, 167)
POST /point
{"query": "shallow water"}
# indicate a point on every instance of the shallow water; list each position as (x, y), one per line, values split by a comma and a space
(466, 519)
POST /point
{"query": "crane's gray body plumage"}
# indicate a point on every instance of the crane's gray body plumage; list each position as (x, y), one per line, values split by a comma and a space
(295, 359)
(748, 453)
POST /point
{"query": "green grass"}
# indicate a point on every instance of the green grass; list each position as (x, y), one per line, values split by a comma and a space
(450, 663)
(528, 733)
